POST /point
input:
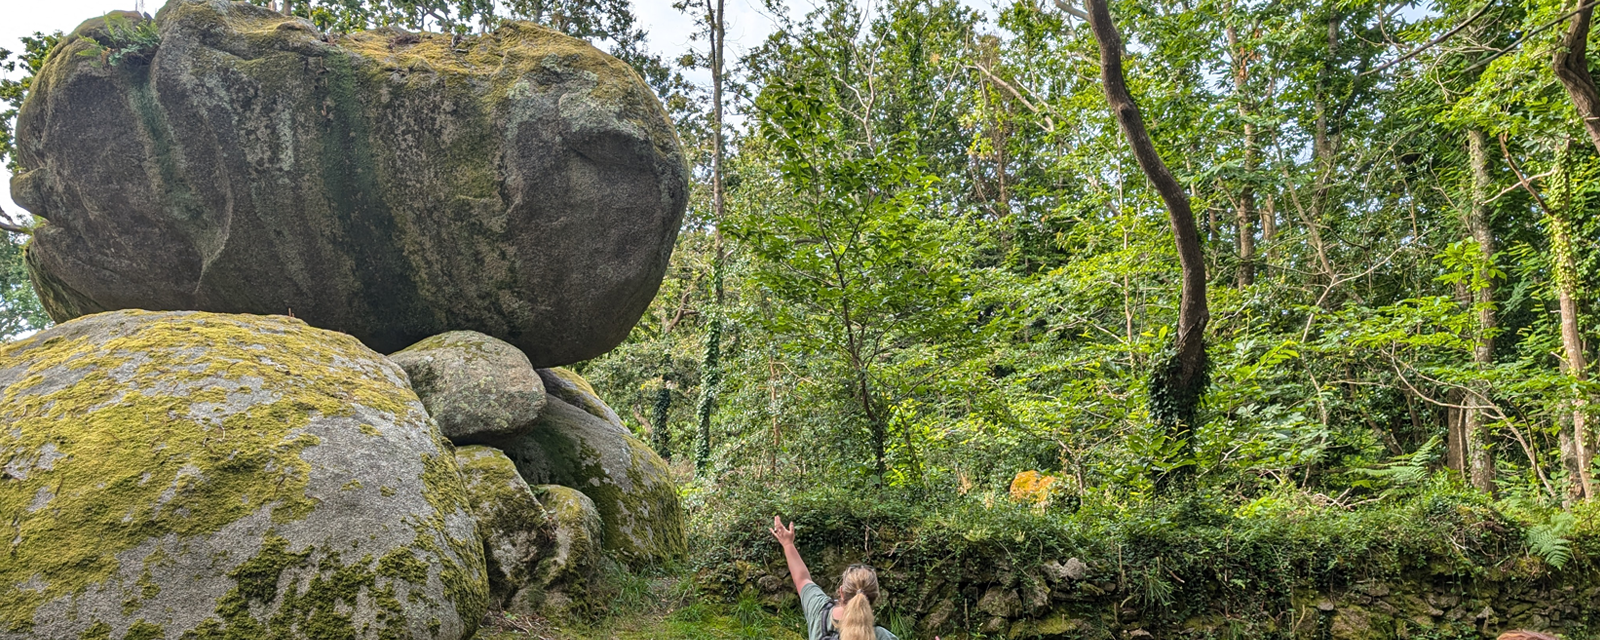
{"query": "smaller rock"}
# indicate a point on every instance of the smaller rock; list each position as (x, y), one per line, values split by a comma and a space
(938, 616)
(1139, 633)
(771, 584)
(1059, 572)
(567, 385)
(568, 569)
(629, 484)
(478, 389)
(994, 625)
(515, 528)
(1000, 602)
(1036, 595)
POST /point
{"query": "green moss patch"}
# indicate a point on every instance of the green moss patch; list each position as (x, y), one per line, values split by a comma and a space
(124, 427)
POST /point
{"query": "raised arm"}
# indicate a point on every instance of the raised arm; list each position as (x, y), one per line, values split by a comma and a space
(791, 556)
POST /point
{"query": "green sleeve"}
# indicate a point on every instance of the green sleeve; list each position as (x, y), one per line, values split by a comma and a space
(881, 633)
(813, 601)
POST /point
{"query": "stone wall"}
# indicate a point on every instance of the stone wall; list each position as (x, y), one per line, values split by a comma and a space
(1078, 598)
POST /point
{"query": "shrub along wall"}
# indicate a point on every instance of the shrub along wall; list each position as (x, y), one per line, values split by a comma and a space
(1438, 566)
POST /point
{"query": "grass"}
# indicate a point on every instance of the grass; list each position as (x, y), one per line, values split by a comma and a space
(662, 606)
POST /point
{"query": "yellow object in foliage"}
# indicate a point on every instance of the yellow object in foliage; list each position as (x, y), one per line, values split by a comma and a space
(1032, 487)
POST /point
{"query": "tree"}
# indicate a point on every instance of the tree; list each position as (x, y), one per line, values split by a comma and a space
(1178, 383)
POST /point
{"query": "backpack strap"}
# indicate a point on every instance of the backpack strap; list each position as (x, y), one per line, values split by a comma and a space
(829, 632)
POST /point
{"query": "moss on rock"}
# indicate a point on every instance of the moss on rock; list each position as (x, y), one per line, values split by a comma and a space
(191, 474)
(630, 485)
(567, 385)
(517, 531)
(568, 572)
(520, 183)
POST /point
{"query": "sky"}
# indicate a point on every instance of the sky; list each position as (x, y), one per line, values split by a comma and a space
(669, 32)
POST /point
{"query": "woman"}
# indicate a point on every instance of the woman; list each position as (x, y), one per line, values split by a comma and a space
(825, 617)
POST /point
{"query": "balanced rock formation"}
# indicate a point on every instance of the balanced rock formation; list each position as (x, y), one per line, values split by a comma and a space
(478, 389)
(629, 484)
(385, 184)
(186, 474)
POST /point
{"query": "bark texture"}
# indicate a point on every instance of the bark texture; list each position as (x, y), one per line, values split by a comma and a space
(1178, 384)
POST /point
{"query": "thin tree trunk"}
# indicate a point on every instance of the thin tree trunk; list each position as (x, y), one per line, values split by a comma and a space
(1324, 146)
(1479, 452)
(1245, 244)
(711, 374)
(1571, 65)
(1269, 220)
(1566, 283)
(1177, 385)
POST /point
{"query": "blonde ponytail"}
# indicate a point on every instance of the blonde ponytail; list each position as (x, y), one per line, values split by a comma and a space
(857, 623)
(858, 589)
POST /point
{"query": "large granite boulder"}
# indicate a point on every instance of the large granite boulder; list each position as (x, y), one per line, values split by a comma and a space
(629, 484)
(385, 184)
(478, 389)
(186, 474)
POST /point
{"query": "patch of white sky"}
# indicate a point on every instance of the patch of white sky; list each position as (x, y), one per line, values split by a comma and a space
(670, 33)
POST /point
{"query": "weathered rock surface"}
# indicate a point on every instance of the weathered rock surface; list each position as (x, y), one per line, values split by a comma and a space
(567, 385)
(518, 533)
(230, 476)
(388, 185)
(477, 388)
(629, 484)
(572, 564)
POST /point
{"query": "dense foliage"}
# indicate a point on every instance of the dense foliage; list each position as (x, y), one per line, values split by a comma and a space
(937, 266)
(943, 268)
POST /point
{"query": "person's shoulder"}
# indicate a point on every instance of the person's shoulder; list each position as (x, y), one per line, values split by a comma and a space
(813, 597)
(881, 633)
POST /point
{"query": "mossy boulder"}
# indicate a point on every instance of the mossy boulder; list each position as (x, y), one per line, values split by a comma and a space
(567, 385)
(629, 484)
(518, 533)
(197, 475)
(572, 566)
(477, 388)
(388, 185)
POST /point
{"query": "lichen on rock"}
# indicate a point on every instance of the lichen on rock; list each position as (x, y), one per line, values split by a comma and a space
(477, 388)
(571, 566)
(185, 474)
(629, 484)
(567, 385)
(518, 533)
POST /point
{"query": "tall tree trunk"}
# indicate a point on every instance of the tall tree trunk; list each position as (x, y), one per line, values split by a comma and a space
(1246, 243)
(1178, 384)
(1269, 220)
(1574, 363)
(1571, 65)
(711, 372)
(1479, 452)
(661, 413)
(1324, 146)
(1455, 435)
